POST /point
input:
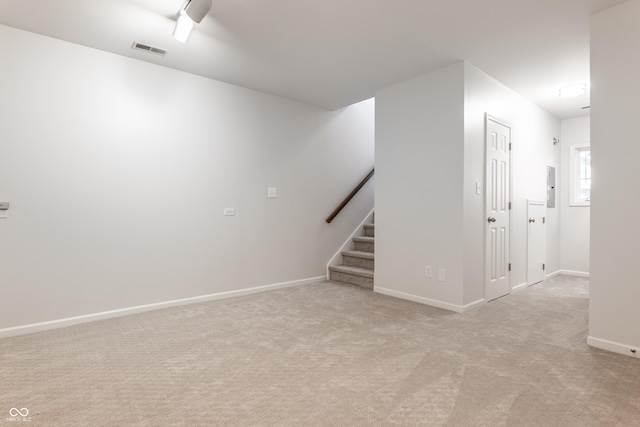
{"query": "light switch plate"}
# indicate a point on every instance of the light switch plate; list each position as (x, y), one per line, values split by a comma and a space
(427, 271)
(272, 192)
(229, 212)
(442, 275)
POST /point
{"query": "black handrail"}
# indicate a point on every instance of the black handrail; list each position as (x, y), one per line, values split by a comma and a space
(350, 196)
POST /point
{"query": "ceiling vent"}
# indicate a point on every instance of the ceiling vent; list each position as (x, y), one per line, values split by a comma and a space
(150, 49)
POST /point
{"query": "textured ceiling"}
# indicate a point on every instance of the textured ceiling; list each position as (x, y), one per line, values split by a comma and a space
(332, 53)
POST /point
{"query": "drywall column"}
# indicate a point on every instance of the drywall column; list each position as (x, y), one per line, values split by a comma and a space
(614, 318)
(419, 171)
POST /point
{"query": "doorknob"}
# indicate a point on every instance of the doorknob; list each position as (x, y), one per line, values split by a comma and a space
(491, 219)
(532, 220)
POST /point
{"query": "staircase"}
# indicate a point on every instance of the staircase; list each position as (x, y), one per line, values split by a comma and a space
(357, 264)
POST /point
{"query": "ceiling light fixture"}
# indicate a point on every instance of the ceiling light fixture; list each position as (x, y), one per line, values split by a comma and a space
(573, 90)
(184, 26)
(190, 12)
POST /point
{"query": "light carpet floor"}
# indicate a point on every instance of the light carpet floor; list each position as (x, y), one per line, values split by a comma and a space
(327, 354)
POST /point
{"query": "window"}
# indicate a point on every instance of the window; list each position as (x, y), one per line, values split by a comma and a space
(580, 170)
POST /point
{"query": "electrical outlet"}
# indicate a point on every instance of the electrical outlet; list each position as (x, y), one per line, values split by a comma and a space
(428, 272)
(229, 212)
(442, 275)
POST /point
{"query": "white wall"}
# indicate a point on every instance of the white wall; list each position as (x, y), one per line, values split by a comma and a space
(419, 149)
(533, 130)
(118, 172)
(614, 317)
(575, 220)
(429, 155)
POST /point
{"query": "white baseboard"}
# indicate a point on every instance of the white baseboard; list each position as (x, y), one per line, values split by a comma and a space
(520, 287)
(61, 323)
(554, 274)
(614, 347)
(575, 273)
(476, 304)
(568, 273)
(427, 301)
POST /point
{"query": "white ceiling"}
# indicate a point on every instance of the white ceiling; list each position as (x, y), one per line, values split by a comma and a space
(332, 53)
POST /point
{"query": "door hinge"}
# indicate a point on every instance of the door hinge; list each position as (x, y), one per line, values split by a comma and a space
(509, 146)
(509, 266)
(544, 267)
(509, 205)
(544, 219)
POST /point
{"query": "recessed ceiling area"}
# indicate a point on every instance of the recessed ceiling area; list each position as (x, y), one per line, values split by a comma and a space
(333, 53)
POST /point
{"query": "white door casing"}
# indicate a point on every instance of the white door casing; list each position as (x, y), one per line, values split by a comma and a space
(536, 238)
(497, 216)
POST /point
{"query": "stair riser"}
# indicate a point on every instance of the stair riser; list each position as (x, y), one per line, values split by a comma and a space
(370, 232)
(363, 246)
(363, 282)
(357, 262)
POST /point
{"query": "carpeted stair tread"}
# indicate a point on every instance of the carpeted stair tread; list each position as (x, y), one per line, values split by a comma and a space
(363, 239)
(355, 271)
(369, 230)
(359, 254)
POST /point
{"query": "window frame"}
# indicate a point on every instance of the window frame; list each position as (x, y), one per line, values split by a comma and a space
(574, 174)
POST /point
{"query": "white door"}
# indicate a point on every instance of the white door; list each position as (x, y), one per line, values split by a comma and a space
(498, 146)
(536, 242)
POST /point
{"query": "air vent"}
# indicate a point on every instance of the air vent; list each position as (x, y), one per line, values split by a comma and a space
(147, 48)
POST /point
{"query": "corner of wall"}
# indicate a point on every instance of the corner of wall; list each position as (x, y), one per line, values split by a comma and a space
(419, 165)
